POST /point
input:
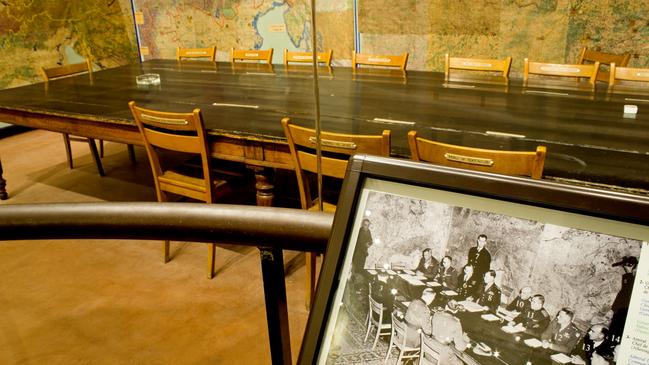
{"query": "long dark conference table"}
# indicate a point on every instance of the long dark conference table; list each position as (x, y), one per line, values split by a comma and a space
(589, 139)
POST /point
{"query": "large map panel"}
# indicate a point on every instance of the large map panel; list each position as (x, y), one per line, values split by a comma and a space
(543, 30)
(245, 24)
(47, 33)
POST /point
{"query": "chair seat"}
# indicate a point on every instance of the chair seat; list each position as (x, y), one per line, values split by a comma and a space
(187, 185)
(326, 207)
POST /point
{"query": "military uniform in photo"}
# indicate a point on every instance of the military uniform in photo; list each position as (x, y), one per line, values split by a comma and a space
(490, 297)
(467, 288)
(519, 305)
(564, 339)
(417, 317)
(480, 260)
(447, 329)
(534, 321)
(586, 347)
(447, 276)
(429, 270)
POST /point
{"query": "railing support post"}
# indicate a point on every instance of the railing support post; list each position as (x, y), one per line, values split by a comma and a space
(272, 270)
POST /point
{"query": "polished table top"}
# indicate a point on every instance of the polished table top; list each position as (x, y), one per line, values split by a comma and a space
(587, 135)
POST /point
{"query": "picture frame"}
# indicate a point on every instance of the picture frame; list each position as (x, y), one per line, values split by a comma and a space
(418, 206)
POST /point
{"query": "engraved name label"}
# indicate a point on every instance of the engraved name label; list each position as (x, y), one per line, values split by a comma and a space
(560, 69)
(469, 159)
(196, 52)
(642, 74)
(299, 57)
(379, 60)
(392, 121)
(476, 64)
(250, 54)
(152, 118)
(249, 106)
(337, 144)
(505, 134)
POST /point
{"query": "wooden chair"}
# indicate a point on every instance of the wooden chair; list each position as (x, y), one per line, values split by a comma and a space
(301, 142)
(589, 56)
(53, 73)
(307, 57)
(398, 338)
(262, 56)
(429, 350)
(208, 52)
(476, 64)
(627, 74)
(181, 132)
(499, 162)
(565, 70)
(376, 321)
(399, 62)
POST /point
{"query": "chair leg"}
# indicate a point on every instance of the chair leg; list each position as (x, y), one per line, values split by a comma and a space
(211, 260)
(165, 249)
(95, 156)
(376, 339)
(310, 278)
(131, 153)
(68, 149)
(101, 148)
(369, 329)
(400, 357)
(389, 348)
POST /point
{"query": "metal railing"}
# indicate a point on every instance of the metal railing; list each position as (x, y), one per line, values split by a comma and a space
(270, 229)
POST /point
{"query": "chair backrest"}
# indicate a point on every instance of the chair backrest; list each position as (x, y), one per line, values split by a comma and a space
(181, 132)
(627, 74)
(500, 162)
(337, 146)
(590, 56)
(307, 57)
(476, 64)
(263, 56)
(430, 350)
(399, 332)
(208, 52)
(379, 60)
(376, 311)
(66, 70)
(565, 70)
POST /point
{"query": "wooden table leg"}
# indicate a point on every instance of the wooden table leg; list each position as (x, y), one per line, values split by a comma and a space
(264, 186)
(3, 185)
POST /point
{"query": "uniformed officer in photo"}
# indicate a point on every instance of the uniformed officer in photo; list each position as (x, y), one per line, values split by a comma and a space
(561, 335)
(490, 295)
(534, 319)
(479, 257)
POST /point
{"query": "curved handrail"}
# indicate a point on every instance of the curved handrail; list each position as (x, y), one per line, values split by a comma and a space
(283, 228)
(270, 229)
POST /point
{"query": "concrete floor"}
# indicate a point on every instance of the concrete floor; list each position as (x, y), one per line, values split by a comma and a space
(115, 302)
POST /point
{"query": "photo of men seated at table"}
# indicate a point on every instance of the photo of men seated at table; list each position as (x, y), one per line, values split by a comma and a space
(441, 284)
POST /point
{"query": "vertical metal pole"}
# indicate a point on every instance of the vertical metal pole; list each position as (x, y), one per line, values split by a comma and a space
(316, 95)
(272, 271)
(3, 185)
(137, 32)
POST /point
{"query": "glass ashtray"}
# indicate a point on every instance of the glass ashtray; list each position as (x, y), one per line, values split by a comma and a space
(148, 79)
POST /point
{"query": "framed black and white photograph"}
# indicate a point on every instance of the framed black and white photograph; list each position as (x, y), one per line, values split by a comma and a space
(440, 276)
